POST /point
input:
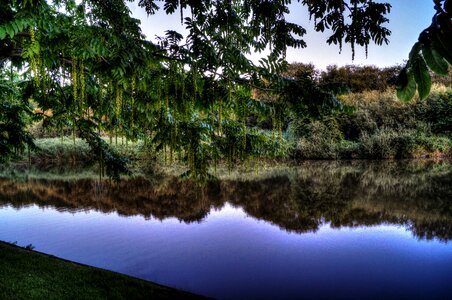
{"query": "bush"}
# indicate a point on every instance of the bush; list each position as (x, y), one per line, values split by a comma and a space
(348, 149)
(437, 111)
(376, 110)
(318, 139)
(378, 145)
(405, 144)
(381, 127)
(432, 146)
(62, 152)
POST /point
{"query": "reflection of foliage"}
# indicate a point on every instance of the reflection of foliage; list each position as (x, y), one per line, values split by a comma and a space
(348, 194)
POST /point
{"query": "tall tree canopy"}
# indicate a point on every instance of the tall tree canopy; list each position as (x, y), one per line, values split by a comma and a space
(89, 65)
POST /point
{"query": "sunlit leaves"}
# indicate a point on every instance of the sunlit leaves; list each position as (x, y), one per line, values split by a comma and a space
(419, 69)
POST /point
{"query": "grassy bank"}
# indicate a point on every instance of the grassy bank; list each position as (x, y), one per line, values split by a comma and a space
(26, 274)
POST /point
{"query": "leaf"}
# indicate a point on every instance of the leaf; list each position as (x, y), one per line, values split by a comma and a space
(15, 27)
(20, 25)
(422, 77)
(438, 46)
(2, 33)
(415, 51)
(406, 85)
(10, 30)
(434, 60)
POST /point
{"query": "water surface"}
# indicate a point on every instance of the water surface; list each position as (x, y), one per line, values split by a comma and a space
(350, 230)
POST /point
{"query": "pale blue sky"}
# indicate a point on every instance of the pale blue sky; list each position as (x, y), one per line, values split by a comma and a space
(407, 19)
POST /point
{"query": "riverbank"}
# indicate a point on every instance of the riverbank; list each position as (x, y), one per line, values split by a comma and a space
(377, 126)
(26, 274)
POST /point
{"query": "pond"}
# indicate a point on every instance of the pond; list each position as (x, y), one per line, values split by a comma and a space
(343, 230)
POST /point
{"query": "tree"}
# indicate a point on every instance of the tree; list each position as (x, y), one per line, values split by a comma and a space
(91, 66)
(357, 79)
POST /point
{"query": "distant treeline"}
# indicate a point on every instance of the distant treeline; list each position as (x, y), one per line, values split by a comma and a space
(355, 78)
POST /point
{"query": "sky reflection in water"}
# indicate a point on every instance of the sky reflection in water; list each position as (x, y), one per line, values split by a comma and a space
(288, 244)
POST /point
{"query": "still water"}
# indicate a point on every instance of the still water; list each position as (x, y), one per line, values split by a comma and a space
(349, 230)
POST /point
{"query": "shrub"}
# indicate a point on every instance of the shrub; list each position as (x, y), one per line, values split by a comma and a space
(318, 139)
(378, 145)
(348, 149)
(437, 111)
(381, 127)
(61, 152)
(432, 146)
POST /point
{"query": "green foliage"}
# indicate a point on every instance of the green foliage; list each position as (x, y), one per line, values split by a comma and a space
(420, 74)
(366, 15)
(87, 67)
(57, 152)
(386, 143)
(107, 157)
(380, 128)
(431, 144)
(15, 115)
(434, 60)
(318, 140)
(406, 85)
(432, 52)
(437, 111)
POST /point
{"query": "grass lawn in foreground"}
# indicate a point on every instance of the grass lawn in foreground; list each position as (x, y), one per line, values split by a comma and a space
(26, 274)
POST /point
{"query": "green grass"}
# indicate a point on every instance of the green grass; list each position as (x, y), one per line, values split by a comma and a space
(26, 274)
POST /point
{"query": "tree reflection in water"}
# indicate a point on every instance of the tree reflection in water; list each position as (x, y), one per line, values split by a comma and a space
(415, 194)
